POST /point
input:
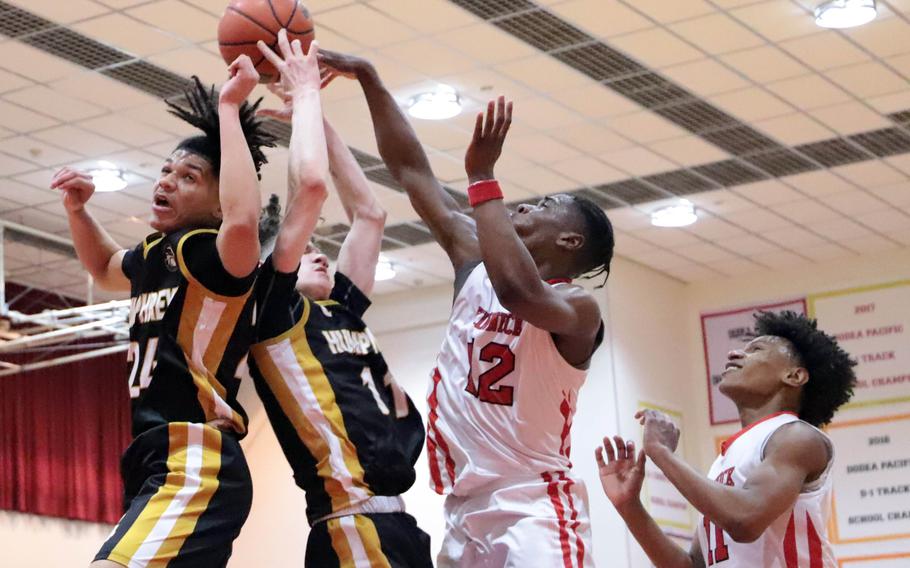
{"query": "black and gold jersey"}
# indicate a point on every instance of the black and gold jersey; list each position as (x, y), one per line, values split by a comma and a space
(348, 431)
(190, 326)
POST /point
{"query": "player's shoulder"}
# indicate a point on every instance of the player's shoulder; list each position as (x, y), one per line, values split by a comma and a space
(799, 442)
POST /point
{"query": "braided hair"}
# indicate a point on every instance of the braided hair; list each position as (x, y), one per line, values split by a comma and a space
(203, 114)
(597, 251)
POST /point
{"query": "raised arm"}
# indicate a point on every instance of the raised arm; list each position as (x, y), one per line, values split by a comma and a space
(408, 163)
(98, 252)
(794, 455)
(360, 250)
(307, 158)
(621, 476)
(565, 310)
(238, 238)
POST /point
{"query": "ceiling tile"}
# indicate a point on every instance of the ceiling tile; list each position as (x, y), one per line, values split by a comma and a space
(189, 61)
(427, 16)
(125, 130)
(543, 73)
(541, 148)
(689, 151)
(11, 166)
(602, 18)
(720, 201)
(666, 237)
(824, 252)
(11, 81)
(706, 77)
(100, 90)
(751, 104)
(767, 192)
(840, 230)
(662, 259)
(850, 118)
(587, 171)
(736, 267)
(52, 103)
(128, 34)
(825, 50)
(765, 64)
(748, 245)
(71, 137)
(692, 272)
(656, 47)
(901, 63)
(715, 228)
(645, 127)
(758, 220)
(483, 84)
(35, 151)
(19, 119)
(886, 220)
(809, 91)
(445, 167)
(34, 63)
(13, 191)
(629, 246)
(485, 43)
(901, 162)
(806, 211)
(596, 101)
(542, 114)
(629, 219)
(666, 12)
(867, 79)
(637, 161)
(587, 136)
(854, 203)
(776, 20)
(780, 259)
(871, 174)
(429, 57)
(541, 181)
(717, 33)
(897, 194)
(819, 183)
(62, 12)
(794, 129)
(366, 25)
(704, 252)
(882, 36)
(872, 244)
(182, 19)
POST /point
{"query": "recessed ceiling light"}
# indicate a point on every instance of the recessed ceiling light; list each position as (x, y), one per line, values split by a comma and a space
(384, 269)
(108, 178)
(678, 215)
(439, 104)
(845, 13)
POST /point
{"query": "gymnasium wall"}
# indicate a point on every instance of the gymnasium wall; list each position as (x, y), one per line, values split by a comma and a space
(652, 355)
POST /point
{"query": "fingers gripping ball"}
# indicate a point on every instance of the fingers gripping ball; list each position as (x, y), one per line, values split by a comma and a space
(247, 21)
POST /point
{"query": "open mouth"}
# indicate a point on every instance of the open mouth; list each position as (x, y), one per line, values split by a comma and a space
(160, 201)
(731, 365)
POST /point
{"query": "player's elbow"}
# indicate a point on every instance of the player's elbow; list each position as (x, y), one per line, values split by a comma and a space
(744, 529)
(372, 213)
(516, 297)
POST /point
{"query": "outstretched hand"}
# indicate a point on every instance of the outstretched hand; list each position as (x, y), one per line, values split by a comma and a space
(76, 186)
(622, 474)
(244, 79)
(489, 135)
(334, 64)
(660, 432)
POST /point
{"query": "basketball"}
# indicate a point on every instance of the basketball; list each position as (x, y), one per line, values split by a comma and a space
(247, 21)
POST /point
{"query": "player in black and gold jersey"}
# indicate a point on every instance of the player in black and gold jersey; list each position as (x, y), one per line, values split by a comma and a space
(349, 433)
(187, 487)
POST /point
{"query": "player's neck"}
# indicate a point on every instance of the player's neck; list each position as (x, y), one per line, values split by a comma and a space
(749, 414)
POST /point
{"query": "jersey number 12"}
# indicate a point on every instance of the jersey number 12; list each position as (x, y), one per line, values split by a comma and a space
(504, 358)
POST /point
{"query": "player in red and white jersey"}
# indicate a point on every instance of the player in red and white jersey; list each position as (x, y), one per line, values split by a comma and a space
(765, 502)
(519, 341)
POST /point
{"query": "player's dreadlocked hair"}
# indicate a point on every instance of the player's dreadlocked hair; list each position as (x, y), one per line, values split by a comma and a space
(203, 114)
(831, 376)
(597, 252)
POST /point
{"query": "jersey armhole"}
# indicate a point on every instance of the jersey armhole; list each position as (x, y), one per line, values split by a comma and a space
(819, 481)
(462, 275)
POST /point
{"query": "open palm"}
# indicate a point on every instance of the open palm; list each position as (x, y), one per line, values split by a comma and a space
(621, 474)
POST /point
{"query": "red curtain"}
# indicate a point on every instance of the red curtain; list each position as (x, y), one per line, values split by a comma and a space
(62, 431)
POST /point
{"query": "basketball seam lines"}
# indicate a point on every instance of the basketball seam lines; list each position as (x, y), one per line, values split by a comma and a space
(250, 18)
(275, 13)
(293, 13)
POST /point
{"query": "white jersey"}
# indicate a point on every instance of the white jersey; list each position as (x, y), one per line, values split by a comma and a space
(796, 539)
(501, 399)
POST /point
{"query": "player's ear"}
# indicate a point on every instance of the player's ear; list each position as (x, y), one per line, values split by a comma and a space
(796, 377)
(570, 241)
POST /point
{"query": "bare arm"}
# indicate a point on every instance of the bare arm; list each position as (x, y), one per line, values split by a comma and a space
(307, 158)
(98, 252)
(238, 237)
(360, 250)
(408, 163)
(567, 310)
(621, 476)
(793, 455)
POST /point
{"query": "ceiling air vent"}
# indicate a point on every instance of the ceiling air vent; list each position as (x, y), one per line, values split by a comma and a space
(15, 22)
(680, 182)
(489, 9)
(885, 142)
(76, 48)
(598, 61)
(409, 234)
(543, 30)
(833, 152)
(631, 191)
(778, 163)
(729, 173)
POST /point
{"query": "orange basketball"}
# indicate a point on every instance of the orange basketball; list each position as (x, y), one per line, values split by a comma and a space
(247, 21)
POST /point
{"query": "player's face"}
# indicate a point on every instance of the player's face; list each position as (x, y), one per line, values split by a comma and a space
(313, 278)
(757, 370)
(544, 221)
(186, 194)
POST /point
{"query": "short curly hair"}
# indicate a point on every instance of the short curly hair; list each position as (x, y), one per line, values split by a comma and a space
(830, 368)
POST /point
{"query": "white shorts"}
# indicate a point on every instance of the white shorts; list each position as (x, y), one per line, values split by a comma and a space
(541, 523)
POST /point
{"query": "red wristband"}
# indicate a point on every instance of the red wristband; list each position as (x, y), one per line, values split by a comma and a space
(483, 191)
